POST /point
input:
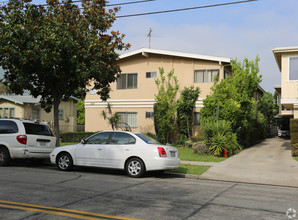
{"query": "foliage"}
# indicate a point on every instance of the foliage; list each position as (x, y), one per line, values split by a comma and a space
(217, 144)
(81, 112)
(233, 98)
(165, 106)
(218, 136)
(200, 148)
(74, 137)
(185, 107)
(4, 90)
(268, 107)
(113, 118)
(53, 50)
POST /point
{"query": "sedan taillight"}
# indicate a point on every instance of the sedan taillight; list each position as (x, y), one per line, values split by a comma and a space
(22, 139)
(162, 152)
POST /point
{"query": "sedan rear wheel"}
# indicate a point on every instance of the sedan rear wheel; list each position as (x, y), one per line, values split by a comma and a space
(135, 167)
(64, 162)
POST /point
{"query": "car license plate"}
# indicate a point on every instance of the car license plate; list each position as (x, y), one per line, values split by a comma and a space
(173, 153)
(42, 144)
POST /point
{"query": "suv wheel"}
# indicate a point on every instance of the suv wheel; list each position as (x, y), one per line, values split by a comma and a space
(4, 156)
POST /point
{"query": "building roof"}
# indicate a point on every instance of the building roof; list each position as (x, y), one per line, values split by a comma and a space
(25, 99)
(278, 51)
(147, 51)
(21, 99)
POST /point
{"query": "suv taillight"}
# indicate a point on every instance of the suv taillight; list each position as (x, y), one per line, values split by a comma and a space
(22, 139)
(162, 152)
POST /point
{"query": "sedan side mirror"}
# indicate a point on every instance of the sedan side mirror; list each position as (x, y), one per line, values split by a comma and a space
(83, 141)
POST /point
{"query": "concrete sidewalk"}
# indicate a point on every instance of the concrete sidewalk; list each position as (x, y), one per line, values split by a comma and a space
(269, 162)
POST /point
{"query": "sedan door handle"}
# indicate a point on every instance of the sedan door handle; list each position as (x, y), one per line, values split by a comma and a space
(99, 149)
(127, 149)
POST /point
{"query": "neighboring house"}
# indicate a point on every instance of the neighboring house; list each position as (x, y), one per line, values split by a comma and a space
(287, 62)
(28, 107)
(133, 95)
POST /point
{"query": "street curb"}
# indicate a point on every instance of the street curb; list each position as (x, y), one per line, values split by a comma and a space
(183, 175)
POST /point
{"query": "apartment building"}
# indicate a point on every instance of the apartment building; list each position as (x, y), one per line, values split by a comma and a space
(287, 62)
(133, 95)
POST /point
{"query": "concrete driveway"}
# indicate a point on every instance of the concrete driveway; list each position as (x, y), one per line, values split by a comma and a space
(269, 162)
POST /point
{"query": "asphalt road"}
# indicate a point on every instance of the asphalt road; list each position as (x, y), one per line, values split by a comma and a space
(30, 192)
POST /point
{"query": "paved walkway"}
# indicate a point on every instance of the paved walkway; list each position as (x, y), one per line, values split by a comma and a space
(269, 162)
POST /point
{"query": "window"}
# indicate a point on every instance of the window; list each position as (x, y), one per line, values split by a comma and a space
(293, 71)
(100, 138)
(122, 138)
(7, 112)
(149, 114)
(8, 127)
(226, 74)
(35, 114)
(129, 118)
(205, 76)
(196, 118)
(151, 74)
(61, 114)
(127, 81)
(37, 129)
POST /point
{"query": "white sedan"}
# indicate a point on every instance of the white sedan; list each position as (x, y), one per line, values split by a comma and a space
(128, 151)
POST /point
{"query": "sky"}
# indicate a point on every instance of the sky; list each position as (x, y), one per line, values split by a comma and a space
(234, 31)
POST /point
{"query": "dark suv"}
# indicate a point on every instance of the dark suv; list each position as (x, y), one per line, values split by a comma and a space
(24, 139)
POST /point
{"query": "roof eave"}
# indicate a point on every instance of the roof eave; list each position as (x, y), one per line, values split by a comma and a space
(146, 51)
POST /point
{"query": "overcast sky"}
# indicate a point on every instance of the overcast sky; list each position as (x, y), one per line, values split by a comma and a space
(234, 31)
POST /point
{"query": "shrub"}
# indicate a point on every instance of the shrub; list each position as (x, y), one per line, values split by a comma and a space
(218, 135)
(74, 136)
(200, 148)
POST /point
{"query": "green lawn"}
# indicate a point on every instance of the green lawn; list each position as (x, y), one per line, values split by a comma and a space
(67, 143)
(187, 154)
(295, 158)
(190, 169)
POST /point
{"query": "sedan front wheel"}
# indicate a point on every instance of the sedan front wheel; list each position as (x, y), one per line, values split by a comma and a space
(135, 167)
(64, 162)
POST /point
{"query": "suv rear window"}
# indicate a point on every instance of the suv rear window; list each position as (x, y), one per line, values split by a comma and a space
(8, 127)
(37, 129)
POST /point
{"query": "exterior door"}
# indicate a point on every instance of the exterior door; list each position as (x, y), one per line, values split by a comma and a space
(119, 149)
(92, 151)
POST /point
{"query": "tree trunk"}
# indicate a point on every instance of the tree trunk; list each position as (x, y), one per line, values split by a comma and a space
(56, 121)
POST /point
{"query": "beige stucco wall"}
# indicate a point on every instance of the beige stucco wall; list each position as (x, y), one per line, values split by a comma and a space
(142, 98)
(19, 112)
(289, 88)
(69, 122)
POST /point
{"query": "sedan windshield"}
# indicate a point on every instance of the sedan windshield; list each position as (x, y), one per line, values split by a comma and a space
(147, 139)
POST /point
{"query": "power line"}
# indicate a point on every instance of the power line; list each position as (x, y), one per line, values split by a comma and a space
(185, 9)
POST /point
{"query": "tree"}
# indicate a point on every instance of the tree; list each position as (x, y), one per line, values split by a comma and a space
(268, 107)
(185, 107)
(54, 50)
(81, 112)
(165, 106)
(234, 97)
(113, 118)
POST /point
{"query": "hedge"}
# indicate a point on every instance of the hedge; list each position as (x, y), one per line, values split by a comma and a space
(74, 136)
(294, 131)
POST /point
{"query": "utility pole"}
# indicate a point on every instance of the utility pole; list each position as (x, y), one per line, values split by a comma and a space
(149, 35)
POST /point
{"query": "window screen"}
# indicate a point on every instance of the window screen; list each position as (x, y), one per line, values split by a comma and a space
(293, 74)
